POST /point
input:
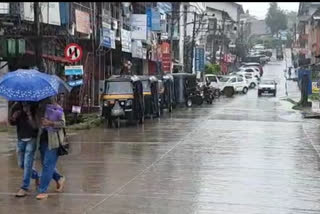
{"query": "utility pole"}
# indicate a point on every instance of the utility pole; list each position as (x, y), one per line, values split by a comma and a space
(171, 34)
(222, 35)
(38, 39)
(193, 38)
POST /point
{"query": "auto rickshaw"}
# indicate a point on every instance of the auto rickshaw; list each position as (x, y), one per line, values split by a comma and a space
(123, 99)
(151, 96)
(166, 92)
(185, 89)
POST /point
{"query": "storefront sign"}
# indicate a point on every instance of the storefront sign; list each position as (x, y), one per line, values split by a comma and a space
(137, 49)
(199, 59)
(73, 70)
(75, 83)
(153, 19)
(82, 22)
(126, 40)
(4, 8)
(50, 12)
(166, 57)
(107, 38)
(139, 26)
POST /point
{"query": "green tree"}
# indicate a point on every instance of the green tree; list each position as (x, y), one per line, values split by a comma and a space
(212, 69)
(276, 19)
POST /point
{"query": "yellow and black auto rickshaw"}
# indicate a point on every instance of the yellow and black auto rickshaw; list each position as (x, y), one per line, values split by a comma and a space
(151, 96)
(123, 99)
(166, 92)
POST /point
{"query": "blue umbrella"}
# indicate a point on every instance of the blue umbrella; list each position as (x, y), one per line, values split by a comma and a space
(30, 85)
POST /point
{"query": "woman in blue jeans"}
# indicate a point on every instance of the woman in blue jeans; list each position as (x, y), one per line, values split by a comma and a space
(49, 137)
(22, 115)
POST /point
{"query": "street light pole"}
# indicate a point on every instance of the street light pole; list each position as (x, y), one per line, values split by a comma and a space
(171, 39)
(38, 39)
(193, 38)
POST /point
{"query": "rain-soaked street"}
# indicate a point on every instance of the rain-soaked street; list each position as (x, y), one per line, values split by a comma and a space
(245, 155)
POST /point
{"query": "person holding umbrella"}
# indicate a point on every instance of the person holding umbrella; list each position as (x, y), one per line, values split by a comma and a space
(29, 85)
(22, 115)
(50, 137)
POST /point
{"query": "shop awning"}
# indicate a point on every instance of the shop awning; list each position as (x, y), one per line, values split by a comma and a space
(51, 57)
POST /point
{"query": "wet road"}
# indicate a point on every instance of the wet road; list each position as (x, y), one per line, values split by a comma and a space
(245, 155)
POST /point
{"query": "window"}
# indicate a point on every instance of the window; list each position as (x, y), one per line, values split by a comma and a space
(240, 79)
(233, 80)
(249, 70)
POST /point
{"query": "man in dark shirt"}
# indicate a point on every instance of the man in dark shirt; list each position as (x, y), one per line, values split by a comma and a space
(22, 115)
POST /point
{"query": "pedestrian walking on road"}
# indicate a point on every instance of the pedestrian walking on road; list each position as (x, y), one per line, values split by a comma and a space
(289, 72)
(22, 115)
(50, 136)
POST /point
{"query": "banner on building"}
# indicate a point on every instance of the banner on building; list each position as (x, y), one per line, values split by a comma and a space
(153, 19)
(166, 57)
(50, 12)
(64, 12)
(107, 38)
(199, 59)
(126, 40)
(82, 22)
(137, 51)
(139, 26)
(4, 8)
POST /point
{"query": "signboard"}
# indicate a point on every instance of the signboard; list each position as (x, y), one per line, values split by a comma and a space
(153, 19)
(50, 12)
(76, 109)
(315, 87)
(107, 38)
(139, 26)
(82, 22)
(137, 49)
(73, 70)
(4, 8)
(3, 102)
(166, 57)
(149, 18)
(126, 40)
(199, 59)
(75, 83)
(73, 52)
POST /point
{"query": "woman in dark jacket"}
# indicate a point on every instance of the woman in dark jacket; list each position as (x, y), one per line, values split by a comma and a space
(22, 115)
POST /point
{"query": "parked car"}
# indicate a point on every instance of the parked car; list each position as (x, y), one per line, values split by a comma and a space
(251, 79)
(267, 86)
(253, 70)
(253, 64)
(237, 83)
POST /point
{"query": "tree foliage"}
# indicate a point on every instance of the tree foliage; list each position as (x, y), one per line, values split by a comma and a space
(276, 19)
(212, 69)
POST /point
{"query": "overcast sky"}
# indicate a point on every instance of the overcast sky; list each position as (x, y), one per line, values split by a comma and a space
(260, 9)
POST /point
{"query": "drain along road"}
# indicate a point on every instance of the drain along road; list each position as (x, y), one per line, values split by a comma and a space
(240, 155)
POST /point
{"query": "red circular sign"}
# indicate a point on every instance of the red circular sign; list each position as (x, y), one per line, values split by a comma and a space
(73, 52)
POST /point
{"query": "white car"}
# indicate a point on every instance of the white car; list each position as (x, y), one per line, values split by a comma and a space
(250, 78)
(254, 70)
(267, 86)
(238, 83)
(213, 79)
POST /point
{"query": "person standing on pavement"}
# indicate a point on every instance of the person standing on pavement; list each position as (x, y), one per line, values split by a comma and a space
(51, 134)
(22, 115)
